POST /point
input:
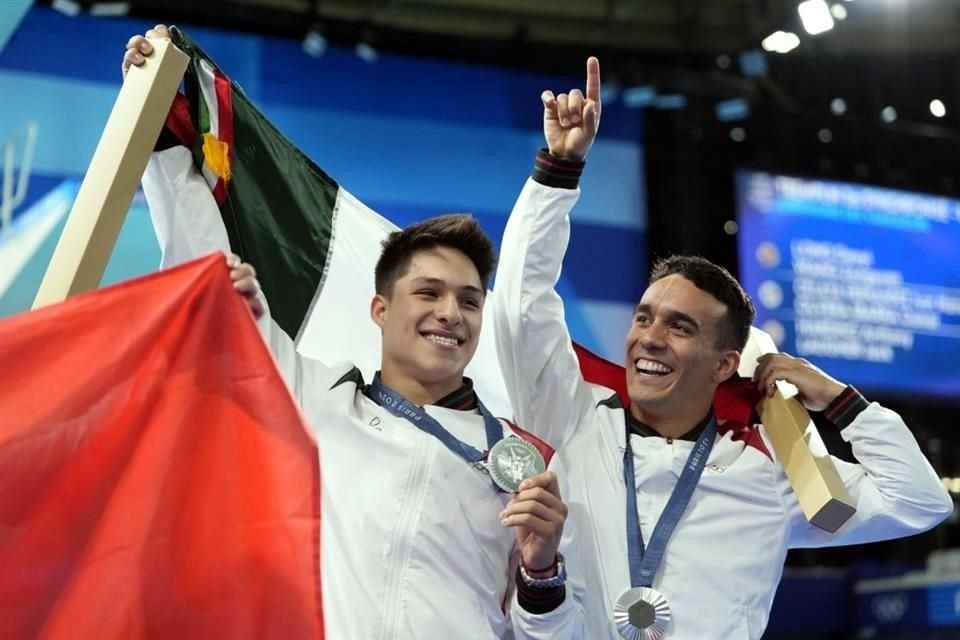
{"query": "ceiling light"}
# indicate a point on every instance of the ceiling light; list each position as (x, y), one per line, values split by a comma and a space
(67, 7)
(638, 97)
(111, 9)
(610, 91)
(733, 109)
(815, 16)
(838, 106)
(366, 52)
(314, 43)
(753, 63)
(888, 115)
(670, 101)
(954, 485)
(780, 42)
(839, 11)
(937, 108)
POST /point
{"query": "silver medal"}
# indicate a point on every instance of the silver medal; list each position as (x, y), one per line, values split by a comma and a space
(641, 614)
(513, 460)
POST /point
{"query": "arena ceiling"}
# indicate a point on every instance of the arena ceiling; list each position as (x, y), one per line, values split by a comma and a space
(652, 27)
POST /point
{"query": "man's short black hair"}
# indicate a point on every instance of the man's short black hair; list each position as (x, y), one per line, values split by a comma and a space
(455, 231)
(734, 327)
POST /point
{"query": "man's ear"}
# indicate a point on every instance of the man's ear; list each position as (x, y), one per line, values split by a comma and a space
(379, 307)
(727, 365)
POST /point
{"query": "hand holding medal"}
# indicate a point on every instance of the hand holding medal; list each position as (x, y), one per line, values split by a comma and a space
(537, 514)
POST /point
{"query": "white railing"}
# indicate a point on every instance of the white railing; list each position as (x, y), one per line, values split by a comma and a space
(14, 191)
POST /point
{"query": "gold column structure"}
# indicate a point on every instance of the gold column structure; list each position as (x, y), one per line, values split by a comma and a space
(798, 446)
(113, 175)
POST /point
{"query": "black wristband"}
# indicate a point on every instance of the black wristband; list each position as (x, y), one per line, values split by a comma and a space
(551, 171)
(845, 407)
(538, 601)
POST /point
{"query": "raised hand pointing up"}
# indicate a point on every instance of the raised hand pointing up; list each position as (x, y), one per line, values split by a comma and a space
(570, 120)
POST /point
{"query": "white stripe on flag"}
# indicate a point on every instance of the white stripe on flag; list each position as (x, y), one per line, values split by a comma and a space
(347, 333)
(338, 327)
(209, 91)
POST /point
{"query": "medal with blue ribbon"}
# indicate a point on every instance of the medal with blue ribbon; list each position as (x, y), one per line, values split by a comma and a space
(642, 613)
(511, 459)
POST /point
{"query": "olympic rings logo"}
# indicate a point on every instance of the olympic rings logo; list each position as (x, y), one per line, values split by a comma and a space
(889, 607)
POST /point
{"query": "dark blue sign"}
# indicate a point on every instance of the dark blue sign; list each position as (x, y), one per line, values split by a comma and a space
(862, 281)
(905, 608)
(943, 605)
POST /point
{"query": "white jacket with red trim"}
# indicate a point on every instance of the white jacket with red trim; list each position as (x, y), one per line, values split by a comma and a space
(725, 558)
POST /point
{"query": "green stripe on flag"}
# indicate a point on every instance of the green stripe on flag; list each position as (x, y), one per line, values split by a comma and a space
(202, 109)
(203, 125)
(280, 205)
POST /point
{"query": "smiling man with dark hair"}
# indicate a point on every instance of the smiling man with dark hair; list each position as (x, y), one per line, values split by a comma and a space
(407, 461)
(682, 523)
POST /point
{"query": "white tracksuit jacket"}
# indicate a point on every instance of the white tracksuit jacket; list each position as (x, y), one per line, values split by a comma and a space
(725, 558)
(411, 542)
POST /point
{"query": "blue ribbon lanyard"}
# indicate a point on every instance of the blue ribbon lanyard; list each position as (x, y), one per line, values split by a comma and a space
(645, 560)
(403, 408)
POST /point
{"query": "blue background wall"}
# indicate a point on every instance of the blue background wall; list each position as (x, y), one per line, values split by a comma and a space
(410, 137)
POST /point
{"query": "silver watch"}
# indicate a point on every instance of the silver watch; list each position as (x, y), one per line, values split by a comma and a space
(546, 583)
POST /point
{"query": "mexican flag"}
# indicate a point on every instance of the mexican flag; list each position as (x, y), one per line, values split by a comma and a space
(156, 477)
(234, 182)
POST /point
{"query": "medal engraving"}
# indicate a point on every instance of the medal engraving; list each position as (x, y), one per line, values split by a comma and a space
(511, 461)
(641, 614)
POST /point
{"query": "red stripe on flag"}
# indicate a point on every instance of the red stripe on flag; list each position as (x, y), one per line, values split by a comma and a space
(220, 192)
(734, 405)
(599, 370)
(224, 109)
(179, 122)
(221, 85)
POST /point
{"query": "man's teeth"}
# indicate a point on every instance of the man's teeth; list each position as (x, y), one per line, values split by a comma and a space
(650, 366)
(450, 342)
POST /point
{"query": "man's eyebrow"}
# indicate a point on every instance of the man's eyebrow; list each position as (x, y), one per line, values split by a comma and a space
(443, 283)
(672, 314)
(679, 315)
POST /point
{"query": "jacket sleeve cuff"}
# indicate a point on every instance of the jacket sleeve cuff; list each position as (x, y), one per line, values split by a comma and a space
(551, 171)
(845, 407)
(534, 600)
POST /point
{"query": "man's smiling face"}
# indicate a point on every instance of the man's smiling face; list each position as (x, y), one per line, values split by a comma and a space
(431, 318)
(674, 363)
